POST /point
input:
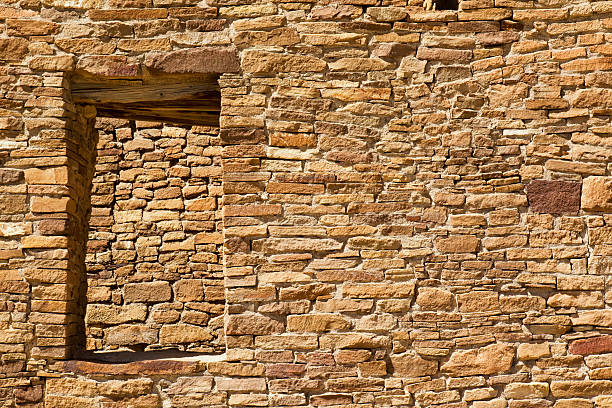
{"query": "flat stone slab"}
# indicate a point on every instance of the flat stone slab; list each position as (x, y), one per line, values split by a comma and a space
(593, 345)
(203, 60)
(554, 197)
(146, 367)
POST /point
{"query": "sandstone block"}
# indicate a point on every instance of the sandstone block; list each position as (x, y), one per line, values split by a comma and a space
(13, 49)
(110, 66)
(412, 365)
(53, 205)
(261, 61)
(435, 299)
(316, 323)
(378, 290)
(34, 241)
(526, 390)
(184, 333)
(147, 292)
(501, 200)
(55, 63)
(200, 60)
(130, 334)
(493, 359)
(597, 194)
(592, 345)
(285, 370)
(536, 351)
(458, 243)
(594, 318)
(478, 301)
(188, 290)
(54, 227)
(111, 314)
(125, 388)
(360, 64)
(22, 27)
(444, 54)
(281, 245)
(185, 385)
(553, 197)
(584, 388)
(12, 204)
(252, 323)
(241, 384)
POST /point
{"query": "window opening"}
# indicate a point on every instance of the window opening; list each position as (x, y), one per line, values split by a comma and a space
(154, 250)
(441, 4)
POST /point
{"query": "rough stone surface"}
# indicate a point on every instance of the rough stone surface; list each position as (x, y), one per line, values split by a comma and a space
(597, 194)
(593, 345)
(493, 359)
(201, 60)
(554, 197)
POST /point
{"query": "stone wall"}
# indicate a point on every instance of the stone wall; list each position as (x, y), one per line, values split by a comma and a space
(415, 203)
(154, 254)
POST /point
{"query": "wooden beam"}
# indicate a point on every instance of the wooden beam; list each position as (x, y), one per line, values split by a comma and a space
(186, 103)
(144, 93)
(179, 117)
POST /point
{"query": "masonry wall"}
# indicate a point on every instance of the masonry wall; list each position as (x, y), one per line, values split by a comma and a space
(415, 203)
(154, 257)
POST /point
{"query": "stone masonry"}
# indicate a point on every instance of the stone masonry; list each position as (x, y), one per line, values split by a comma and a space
(409, 205)
(154, 268)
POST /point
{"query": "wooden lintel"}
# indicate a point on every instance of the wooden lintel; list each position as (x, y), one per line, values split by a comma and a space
(178, 117)
(185, 103)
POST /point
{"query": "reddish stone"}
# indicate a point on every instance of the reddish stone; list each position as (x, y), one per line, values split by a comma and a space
(350, 157)
(54, 227)
(111, 66)
(242, 136)
(472, 26)
(331, 399)
(285, 370)
(10, 176)
(201, 60)
(12, 367)
(206, 25)
(554, 197)
(593, 345)
(146, 367)
(29, 394)
(236, 245)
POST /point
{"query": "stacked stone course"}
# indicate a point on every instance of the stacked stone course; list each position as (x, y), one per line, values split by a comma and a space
(415, 205)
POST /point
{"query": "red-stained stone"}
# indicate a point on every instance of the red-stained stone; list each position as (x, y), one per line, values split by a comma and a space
(147, 367)
(245, 136)
(201, 60)
(29, 394)
(285, 370)
(10, 176)
(554, 197)
(55, 227)
(12, 367)
(109, 66)
(593, 345)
